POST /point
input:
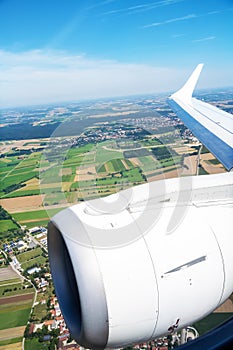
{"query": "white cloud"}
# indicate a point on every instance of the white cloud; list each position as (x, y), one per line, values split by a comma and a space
(44, 76)
(41, 76)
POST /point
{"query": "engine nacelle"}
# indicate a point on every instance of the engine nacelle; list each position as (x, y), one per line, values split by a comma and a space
(135, 265)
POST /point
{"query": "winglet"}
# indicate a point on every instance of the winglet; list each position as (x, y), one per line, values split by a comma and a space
(185, 93)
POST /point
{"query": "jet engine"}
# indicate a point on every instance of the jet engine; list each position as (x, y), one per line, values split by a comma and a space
(140, 263)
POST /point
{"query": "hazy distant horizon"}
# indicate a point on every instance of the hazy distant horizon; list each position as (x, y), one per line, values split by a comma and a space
(86, 100)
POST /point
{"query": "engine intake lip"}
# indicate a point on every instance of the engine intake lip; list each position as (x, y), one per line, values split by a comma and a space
(64, 281)
(78, 281)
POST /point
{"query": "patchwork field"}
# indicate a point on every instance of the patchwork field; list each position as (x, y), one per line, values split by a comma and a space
(16, 297)
(39, 182)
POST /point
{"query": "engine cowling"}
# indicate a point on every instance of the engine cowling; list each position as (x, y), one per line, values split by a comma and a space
(133, 266)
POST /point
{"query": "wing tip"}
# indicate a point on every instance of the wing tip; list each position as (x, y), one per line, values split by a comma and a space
(186, 92)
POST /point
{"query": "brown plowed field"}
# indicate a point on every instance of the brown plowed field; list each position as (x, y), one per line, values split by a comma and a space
(16, 298)
(14, 205)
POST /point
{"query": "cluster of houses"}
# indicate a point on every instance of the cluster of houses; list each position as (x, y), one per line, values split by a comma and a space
(56, 322)
(19, 244)
(26, 243)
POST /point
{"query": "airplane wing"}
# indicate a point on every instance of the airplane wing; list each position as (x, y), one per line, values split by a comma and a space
(212, 126)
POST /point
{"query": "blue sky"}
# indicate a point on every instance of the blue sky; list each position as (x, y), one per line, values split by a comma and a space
(53, 50)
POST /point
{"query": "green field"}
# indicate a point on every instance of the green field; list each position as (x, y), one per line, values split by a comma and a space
(104, 155)
(101, 169)
(148, 163)
(38, 217)
(31, 258)
(39, 311)
(39, 261)
(32, 224)
(117, 165)
(80, 150)
(36, 214)
(6, 225)
(21, 193)
(13, 180)
(31, 254)
(14, 315)
(34, 344)
(152, 142)
(10, 341)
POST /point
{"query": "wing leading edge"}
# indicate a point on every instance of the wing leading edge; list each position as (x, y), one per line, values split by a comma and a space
(212, 126)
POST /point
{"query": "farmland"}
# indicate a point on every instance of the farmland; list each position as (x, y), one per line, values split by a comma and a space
(45, 177)
(44, 180)
(16, 297)
(14, 315)
(7, 225)
(32, 258)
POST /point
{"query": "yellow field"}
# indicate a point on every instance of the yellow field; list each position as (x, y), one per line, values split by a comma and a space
(14, 205)
(32, 184)
(211, 168)
(12, 333)
(16, 346)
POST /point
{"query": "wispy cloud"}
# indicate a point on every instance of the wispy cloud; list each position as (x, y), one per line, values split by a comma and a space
(102, 3)
(204, 39)
(143, 7)
(187, 17)
(177, 35)
(176, 19)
